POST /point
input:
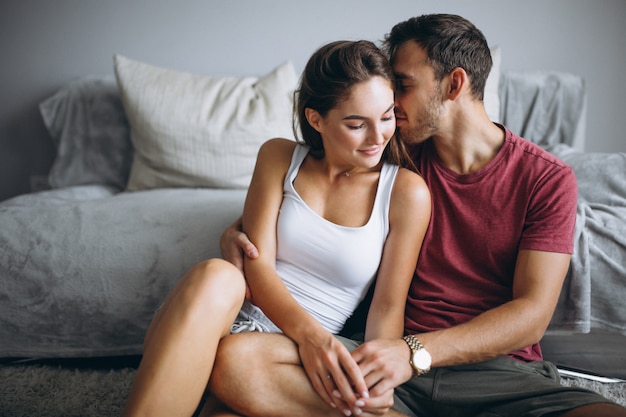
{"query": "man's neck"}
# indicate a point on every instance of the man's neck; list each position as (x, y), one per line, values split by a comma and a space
(469, 143)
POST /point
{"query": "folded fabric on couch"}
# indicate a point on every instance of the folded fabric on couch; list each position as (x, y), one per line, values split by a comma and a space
(593, 295)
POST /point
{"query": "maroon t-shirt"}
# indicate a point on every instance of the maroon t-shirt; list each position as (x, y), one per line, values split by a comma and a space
(525, 198)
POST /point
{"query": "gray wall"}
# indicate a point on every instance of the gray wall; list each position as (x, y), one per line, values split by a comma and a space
(46, 43)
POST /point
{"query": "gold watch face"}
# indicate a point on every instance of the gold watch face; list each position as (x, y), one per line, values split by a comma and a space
(422, 360)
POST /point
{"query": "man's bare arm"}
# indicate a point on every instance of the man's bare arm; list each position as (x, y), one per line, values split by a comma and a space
(514, 325)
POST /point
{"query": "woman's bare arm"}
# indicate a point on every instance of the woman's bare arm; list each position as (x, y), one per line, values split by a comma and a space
(409, 217)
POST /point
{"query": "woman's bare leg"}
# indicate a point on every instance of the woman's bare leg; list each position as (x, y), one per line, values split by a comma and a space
(213, 408)
(181, 342)
(260, 375)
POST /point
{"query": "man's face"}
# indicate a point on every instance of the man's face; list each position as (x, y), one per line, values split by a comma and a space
(419, 103)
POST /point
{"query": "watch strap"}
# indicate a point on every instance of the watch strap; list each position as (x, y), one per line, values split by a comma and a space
(415, 345)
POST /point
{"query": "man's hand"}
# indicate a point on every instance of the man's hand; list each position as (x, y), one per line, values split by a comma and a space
(234, 244)
(384, 363)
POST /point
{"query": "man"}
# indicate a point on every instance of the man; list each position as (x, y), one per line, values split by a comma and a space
(489, 274)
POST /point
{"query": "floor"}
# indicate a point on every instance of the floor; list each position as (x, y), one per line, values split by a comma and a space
(598, 352)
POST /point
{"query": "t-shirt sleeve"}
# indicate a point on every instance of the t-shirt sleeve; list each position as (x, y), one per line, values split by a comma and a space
(551, 217)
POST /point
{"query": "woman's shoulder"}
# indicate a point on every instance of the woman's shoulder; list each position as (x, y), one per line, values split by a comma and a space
(279, 144)
(276, 150)
(410, 187)
(406, 177)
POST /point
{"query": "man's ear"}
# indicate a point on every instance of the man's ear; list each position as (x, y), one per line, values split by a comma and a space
(457, 81)
(313, 117)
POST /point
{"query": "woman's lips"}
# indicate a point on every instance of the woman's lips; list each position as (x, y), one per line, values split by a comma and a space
(371, 151)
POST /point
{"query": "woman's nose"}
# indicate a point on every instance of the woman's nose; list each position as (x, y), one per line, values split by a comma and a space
(377, 135)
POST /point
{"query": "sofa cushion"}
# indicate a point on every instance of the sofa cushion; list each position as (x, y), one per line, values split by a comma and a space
(192, 130)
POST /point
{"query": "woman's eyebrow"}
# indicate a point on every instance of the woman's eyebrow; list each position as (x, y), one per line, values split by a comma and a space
(357, 117)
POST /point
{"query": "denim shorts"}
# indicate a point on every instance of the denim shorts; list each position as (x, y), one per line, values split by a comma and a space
(499, 387)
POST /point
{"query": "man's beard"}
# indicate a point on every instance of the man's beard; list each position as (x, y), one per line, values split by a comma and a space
(427, 122)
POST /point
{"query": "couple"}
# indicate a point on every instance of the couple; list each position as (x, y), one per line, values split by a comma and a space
(492, 257)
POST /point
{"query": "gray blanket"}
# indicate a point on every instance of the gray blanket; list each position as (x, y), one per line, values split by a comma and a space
(84, 268)
(594, 293)
(549, 108)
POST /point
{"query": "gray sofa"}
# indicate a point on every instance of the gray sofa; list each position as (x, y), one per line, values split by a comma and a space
(84, 265)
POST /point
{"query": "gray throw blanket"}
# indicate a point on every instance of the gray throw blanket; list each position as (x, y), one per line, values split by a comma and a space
(549, 109)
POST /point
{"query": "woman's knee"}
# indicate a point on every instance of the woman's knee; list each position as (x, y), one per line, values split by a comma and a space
(216, 279)
(208, 287)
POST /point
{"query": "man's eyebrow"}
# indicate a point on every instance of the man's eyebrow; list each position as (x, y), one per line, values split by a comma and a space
(357, 117)
(403, 76)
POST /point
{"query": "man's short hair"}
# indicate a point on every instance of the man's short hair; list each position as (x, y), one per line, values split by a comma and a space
(450, 41)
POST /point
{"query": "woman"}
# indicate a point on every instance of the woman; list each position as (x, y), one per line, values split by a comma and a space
(329, 215)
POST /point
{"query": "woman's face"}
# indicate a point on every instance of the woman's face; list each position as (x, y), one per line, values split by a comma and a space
(356, 131)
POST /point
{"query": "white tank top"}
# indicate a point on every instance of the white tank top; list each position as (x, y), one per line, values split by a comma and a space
(328, 268)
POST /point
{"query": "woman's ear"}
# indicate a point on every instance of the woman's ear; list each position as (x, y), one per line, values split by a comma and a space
(313, 117)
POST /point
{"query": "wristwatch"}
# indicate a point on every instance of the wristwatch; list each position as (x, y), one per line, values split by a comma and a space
(420, 358)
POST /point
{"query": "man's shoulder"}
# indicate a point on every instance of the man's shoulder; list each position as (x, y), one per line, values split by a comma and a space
(527, 150)
(539, 167)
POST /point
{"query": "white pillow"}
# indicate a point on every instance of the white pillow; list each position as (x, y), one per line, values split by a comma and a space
(492, 98)
(190, 130)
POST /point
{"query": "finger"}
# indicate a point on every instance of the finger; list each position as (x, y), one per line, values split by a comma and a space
(349, 372)
(377, 405)
(320, 385)
(373, 375)
(246, 246)
(337, 399)
(377, 383)
(354, 374)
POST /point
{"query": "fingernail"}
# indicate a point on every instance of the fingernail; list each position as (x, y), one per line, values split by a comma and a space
(365, 394)
(347, 412)
(358, 411)
(360, 403)
(337, 394)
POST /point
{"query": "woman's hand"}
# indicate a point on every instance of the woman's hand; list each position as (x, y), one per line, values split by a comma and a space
(335, 376)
